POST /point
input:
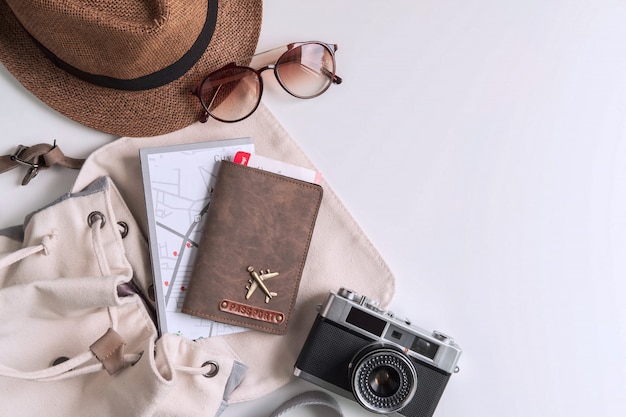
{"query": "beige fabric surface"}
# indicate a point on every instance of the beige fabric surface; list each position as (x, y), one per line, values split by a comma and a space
(340, 254)
(61, 298)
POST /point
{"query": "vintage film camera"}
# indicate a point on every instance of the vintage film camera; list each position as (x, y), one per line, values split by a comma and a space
(388, 366)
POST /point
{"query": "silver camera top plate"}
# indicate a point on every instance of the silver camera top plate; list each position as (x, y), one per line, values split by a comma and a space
(364, 315)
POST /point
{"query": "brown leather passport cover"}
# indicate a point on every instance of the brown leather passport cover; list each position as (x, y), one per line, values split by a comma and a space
(258, 223)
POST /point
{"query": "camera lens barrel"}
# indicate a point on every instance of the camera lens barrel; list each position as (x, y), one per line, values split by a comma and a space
(383, 378)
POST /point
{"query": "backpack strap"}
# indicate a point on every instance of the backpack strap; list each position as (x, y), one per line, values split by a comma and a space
(37, 157)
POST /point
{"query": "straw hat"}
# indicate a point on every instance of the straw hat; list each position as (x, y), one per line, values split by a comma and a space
(124, 66)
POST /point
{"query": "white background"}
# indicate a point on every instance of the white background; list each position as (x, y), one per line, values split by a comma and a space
(480, 145)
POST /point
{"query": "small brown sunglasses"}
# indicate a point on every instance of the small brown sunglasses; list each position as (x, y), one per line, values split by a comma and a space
(233, 92)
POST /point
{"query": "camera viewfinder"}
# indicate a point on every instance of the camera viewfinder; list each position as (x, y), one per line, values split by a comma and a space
(424, 347)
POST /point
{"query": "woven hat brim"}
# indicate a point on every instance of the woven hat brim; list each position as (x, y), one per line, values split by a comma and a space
(129, 113)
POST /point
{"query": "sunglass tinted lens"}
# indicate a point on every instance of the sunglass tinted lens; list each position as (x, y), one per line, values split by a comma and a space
(231, 94)
(307, 70)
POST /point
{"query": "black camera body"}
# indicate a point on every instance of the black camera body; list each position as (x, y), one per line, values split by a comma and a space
(364, 353)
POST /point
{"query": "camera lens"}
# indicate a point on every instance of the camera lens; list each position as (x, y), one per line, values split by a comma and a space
(383, 379)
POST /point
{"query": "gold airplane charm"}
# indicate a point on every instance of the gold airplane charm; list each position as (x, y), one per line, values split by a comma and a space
(258, 280)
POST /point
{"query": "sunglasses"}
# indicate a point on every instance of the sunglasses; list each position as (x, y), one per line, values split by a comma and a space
(233, 92)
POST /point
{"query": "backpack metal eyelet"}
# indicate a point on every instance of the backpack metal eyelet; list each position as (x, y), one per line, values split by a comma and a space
(94, 216)
(123, 229)
(215, 368)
